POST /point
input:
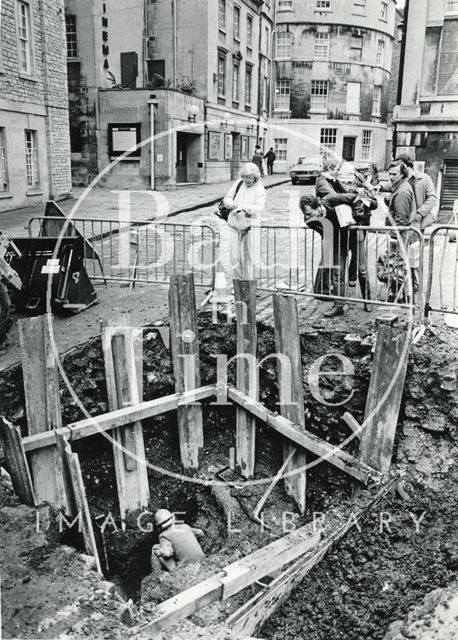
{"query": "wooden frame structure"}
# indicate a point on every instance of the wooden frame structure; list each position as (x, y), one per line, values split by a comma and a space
(301, 549)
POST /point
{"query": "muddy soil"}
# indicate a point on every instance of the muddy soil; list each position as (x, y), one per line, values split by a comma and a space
(48, 589)
(377, 575)
(425, 447)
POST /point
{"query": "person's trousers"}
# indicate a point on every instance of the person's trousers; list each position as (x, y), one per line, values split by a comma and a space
(340, 266)
(241, 255)
(358, 262)
(270, 168)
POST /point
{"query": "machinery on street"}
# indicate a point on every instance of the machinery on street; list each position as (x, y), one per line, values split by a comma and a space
(29, 266)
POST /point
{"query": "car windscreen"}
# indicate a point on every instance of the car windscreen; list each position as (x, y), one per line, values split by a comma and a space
(310, 161)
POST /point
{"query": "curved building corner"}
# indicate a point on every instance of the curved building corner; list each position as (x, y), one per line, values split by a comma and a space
(332, 72)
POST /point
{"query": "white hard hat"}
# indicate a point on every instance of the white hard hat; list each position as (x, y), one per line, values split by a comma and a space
(162, 516)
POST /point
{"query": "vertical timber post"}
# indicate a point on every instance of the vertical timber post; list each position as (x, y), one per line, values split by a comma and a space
(384, 397)
(247, 372)
(289, 366)
(79, 500)
(42, 401)
(10, 437)
(120, 348)
(186, 365)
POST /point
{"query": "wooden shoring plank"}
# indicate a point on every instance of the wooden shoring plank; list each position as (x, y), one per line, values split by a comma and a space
(274, 483)
(186, 365)
(351, 422)
(247, 373)
(108, 421)
(123, 389)
(62, 444)
(307, 440)
(42, 401)
(289, 368)
(82, 507)
(235, 577)
(10, 437)
(384, 397)
(253, 614)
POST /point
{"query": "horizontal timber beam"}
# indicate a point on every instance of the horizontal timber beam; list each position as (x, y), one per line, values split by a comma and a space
(306, 439)
(354, 425)
(120, 417)
(253, 614)
(235, 577)
(303, 547)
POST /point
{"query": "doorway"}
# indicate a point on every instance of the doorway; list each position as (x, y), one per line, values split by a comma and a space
(449, 183)
(236, 153)
(349, 147)
(182, 157)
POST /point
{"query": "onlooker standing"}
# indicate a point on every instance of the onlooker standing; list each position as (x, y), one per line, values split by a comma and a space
(258, 160)
(313, 208)
(403, 208)
(327, 184)
(270, 157)
(246, 204)
(358, 246)
(424, 192)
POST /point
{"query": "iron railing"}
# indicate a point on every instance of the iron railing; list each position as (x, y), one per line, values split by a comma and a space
(441, 293)
(127, 251)
(384, 263)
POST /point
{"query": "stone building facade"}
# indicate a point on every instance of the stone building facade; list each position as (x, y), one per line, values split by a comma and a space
(200, 69)
(427, 118)
(34, 123)
(332, 67)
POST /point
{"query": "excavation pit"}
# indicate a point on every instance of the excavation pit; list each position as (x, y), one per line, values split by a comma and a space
(128, 553)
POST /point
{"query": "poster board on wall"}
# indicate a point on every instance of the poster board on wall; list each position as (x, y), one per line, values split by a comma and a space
(214, 145)
(122, 137)
(244, 148)
(251, 146)
(228, 146)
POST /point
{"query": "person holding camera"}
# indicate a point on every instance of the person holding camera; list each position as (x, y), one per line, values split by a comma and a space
(242, 208)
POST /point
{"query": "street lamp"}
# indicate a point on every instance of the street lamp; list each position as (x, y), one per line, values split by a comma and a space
(193, 111)
(228, 120)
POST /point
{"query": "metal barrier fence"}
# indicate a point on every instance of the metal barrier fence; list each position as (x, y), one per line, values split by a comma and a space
(387, 264)
(442, 282)
(127, 251)
(384, 262)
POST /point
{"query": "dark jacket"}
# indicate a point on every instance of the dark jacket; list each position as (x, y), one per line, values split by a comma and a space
(257, 158)
(325, 187)
(270, 156)
(403, 206)
(180, 542)
(425, 198)
(330, 202)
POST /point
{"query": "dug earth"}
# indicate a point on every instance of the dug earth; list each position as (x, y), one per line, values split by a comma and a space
(372, 585)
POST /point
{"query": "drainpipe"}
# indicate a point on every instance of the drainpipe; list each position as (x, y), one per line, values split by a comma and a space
(260, 86)
(174, 9)
(152, 108)
(271, 71)
(144, 43)
(401, 73)
(403, 52)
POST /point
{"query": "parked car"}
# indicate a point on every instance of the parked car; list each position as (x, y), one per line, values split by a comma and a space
(306, 169)
(363, 167)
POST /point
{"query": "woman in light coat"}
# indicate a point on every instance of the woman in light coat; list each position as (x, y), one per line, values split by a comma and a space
(246, 201)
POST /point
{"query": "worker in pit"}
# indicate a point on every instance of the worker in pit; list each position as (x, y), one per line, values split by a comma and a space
(178, 542)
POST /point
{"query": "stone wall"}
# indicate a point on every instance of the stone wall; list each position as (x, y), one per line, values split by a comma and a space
(37, 100)
(56, 96)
